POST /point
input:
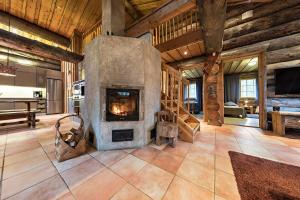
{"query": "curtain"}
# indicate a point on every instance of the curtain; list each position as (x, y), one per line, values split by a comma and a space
(232, 88)
(257, 88)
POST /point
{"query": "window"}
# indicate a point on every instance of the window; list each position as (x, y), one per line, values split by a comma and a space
(193, 91)
(248, 88)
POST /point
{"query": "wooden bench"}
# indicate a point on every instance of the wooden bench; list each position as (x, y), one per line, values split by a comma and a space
(279, 121)
(30, 117)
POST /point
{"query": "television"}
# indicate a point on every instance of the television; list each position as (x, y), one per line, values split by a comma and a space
(287, 81)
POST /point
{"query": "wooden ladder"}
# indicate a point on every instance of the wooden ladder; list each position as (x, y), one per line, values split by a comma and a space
(172, 99)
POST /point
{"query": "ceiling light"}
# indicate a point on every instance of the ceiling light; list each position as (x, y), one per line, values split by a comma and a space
(252, 62)
(24, 62)
(3, 57)
(185, 53)
(7, 74)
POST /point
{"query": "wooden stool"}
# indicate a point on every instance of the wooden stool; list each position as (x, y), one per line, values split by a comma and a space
(166, 127)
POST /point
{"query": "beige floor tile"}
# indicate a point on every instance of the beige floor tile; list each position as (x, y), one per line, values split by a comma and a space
(68, 164)
(49, 148)
(128, 192)
(3, 140)
(198, 174)
(21, 136)
(153, 181)
(19, 147)
(86, 175)
(146, 153)
(82, 172)
(168, 162)
(202, 158)
(129, 150)
(23, 156)
(181, 148)
(181, 189)
(226, 186)
(258, 151)
(101, 186)
(108, 158)
(26, 165)
(289, 158)
(224, 164)
(68, 196)
(159, 147)
(203, 147)
(1, 161)
(12, 186)
(128, 166)
(52, 188)
(220, 198)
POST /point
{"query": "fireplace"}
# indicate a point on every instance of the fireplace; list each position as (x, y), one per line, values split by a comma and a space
(122, 105)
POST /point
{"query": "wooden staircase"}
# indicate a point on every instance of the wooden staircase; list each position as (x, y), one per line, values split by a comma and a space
(172, 99)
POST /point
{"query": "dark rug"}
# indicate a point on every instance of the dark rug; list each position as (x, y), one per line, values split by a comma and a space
(259, 178)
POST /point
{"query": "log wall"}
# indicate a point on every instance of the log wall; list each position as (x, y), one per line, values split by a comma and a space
(274, 29)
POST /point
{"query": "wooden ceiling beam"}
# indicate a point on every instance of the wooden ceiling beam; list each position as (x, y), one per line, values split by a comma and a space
(239, 2)
(132, 11)
(33, 29)
(13, 58)
(167, 11)
(212, 20)
(183, 40)
(27, 55)
(20, 43)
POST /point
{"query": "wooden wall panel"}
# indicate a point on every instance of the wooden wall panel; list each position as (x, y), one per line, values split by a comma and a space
(273, 29)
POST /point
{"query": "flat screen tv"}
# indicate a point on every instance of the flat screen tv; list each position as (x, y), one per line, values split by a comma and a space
(287, 81)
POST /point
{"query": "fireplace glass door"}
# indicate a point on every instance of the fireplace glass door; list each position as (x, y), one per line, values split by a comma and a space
(122, 105)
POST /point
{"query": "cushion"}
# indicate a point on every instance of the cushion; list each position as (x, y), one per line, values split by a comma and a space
(230, 103)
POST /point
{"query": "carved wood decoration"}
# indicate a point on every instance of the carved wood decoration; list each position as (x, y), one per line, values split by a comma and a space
(212, 20)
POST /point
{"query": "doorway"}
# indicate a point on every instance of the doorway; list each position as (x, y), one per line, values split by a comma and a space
(244, 93)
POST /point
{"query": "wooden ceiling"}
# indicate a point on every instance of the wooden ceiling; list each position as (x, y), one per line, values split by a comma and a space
(63, 16)
(241, 66)
(192, 73)
(146, 6)
(60, 16)
(191, 50)
(232, 67)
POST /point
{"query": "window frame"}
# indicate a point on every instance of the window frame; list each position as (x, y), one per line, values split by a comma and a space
(254, 85)
(195, 91)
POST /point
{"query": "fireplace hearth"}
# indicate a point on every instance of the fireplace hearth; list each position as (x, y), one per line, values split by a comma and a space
(122, 91)
(122, 105)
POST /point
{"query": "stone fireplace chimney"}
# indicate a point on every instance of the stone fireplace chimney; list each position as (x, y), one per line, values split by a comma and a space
(113, 17)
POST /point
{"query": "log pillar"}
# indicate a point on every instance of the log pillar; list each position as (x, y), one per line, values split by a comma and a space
(213, 92)
(212, 18)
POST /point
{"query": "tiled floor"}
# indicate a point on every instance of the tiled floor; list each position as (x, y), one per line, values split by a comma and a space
(196, 171)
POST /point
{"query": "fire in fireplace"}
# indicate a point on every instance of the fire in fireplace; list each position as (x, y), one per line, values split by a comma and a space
(122, 105)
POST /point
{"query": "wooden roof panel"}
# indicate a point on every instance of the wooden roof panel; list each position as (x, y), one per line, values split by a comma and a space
(63, 16)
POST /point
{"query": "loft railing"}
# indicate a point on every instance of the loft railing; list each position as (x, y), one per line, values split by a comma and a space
(175, 27)
(92, 33)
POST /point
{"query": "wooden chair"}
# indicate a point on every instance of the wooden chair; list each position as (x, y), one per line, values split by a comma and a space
(166, 127)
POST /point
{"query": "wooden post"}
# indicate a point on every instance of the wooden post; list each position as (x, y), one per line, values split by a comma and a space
(262, 74)
(167, 87)
(172, 91)
(188, 97)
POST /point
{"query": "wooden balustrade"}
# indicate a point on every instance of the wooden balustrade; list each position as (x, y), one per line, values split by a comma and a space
(173, 88)
(92, 33)
(175, 27)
